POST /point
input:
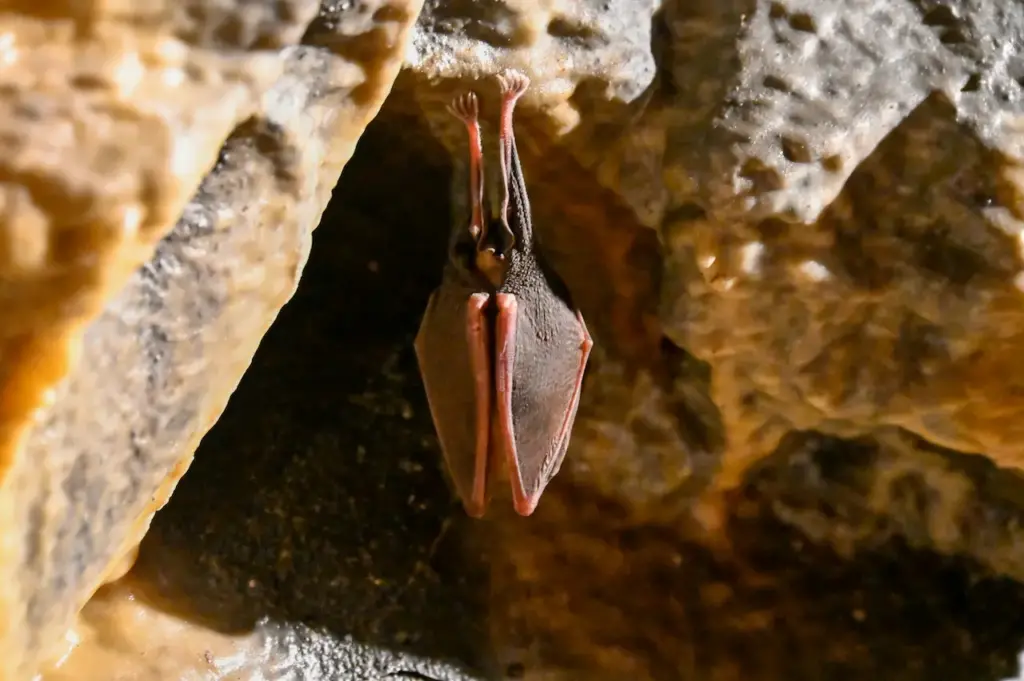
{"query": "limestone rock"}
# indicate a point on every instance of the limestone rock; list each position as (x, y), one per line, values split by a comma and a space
(881, 297)
(793, 228)
(111, 115)
(836, 191)
(858, 494)
(592, 70)
(314, 520)
(316, 504)
(782, 224)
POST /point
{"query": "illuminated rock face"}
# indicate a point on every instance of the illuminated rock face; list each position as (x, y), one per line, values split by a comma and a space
(133, 291)
(795, 231)
(793, 228)
(800, 222)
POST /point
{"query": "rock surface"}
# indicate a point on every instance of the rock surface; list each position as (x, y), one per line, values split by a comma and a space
(111, 373)
(836, 195)
(793, 228)
(315, 535)
(315, 514)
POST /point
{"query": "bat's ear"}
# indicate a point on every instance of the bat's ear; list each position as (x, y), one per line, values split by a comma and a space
(462, 248)
(518, 220)
(499, 236)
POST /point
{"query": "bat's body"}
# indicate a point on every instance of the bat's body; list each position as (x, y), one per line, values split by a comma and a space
(502, 349)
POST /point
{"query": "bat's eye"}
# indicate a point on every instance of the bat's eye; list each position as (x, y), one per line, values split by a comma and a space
(499, 238)
(492, 265)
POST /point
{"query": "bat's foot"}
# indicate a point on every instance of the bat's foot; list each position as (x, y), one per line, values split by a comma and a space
(465, 107)
(513, 84)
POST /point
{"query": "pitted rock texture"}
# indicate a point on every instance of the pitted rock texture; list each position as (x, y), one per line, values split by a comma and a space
(888, 298)
(836, 191)
(315, 534)
(124, 329)
(859, 493)
(793, 228)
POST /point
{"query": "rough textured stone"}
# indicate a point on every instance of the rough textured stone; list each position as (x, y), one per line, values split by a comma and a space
(858, 494)
(111, 116)
(313, 525)
(793, 228)
(315, 536)
(240, 24)
(884, 296)
(836, 191)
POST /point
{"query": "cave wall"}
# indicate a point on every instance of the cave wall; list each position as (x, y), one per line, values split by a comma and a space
(163, 167)
(834, 191)
(793, 228)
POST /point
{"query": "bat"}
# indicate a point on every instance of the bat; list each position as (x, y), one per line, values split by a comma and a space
(502, 349)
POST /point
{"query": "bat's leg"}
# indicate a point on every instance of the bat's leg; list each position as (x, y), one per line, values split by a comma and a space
(513, 85)
(466, 108)
(479, 341)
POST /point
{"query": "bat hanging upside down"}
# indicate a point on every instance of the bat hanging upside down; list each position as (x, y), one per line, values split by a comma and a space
(502, 349)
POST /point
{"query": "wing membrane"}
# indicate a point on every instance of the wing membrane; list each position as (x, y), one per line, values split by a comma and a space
(453, 351)
(542, 351)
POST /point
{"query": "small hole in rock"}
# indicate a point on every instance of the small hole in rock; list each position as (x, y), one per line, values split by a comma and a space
(775, 83)
(983, 199)
(515, 670)
(772, 229)
(832, 163)
(762, 176)
(562, 27)
(973, 84)
(952, 36)
(688, 212)
(231, 32)
(940, 16)
(795, 151)
(803, 22)
(86, 81)
(776, 11)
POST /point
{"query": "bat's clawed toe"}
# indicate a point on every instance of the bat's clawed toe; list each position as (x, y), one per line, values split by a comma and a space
(465, 107)
(513, 84)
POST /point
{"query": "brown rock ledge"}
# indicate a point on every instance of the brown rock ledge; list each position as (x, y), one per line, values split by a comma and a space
(110, 115)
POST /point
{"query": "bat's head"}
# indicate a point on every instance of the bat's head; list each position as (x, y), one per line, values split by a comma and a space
(501, 224)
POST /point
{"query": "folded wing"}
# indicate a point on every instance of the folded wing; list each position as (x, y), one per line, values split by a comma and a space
(453, 351)
(542, 347)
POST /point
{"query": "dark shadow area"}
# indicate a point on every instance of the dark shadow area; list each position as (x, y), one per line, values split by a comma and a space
(602, 599)
(318, 496)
